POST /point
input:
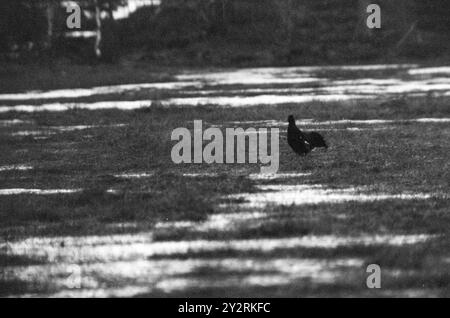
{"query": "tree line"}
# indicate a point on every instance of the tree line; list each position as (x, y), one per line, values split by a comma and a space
(228, 31)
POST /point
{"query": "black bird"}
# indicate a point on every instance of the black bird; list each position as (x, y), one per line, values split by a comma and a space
(296, 139)
(303, 142)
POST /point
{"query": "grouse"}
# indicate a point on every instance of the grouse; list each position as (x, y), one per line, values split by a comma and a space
(303, 142)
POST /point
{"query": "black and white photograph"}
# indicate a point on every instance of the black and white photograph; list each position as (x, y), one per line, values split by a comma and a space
(224, 149)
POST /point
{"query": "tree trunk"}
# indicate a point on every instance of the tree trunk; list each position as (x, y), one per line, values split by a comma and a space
(50, 15)
(289, 23)
(285, 11)
(362, 13)
(98, 24)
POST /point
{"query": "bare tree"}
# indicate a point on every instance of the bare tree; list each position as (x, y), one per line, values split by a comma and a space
(50, 15)
(286, 13)
(98, 30)
(98, 7)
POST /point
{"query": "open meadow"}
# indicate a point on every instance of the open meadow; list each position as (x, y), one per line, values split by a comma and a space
(91, 203)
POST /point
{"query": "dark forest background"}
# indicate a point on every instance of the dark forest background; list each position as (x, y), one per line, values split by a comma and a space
(229, 32)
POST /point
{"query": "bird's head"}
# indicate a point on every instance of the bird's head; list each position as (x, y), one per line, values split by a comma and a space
(291, 119)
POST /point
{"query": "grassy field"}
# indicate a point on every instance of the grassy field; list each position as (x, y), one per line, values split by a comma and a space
(187, 230)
